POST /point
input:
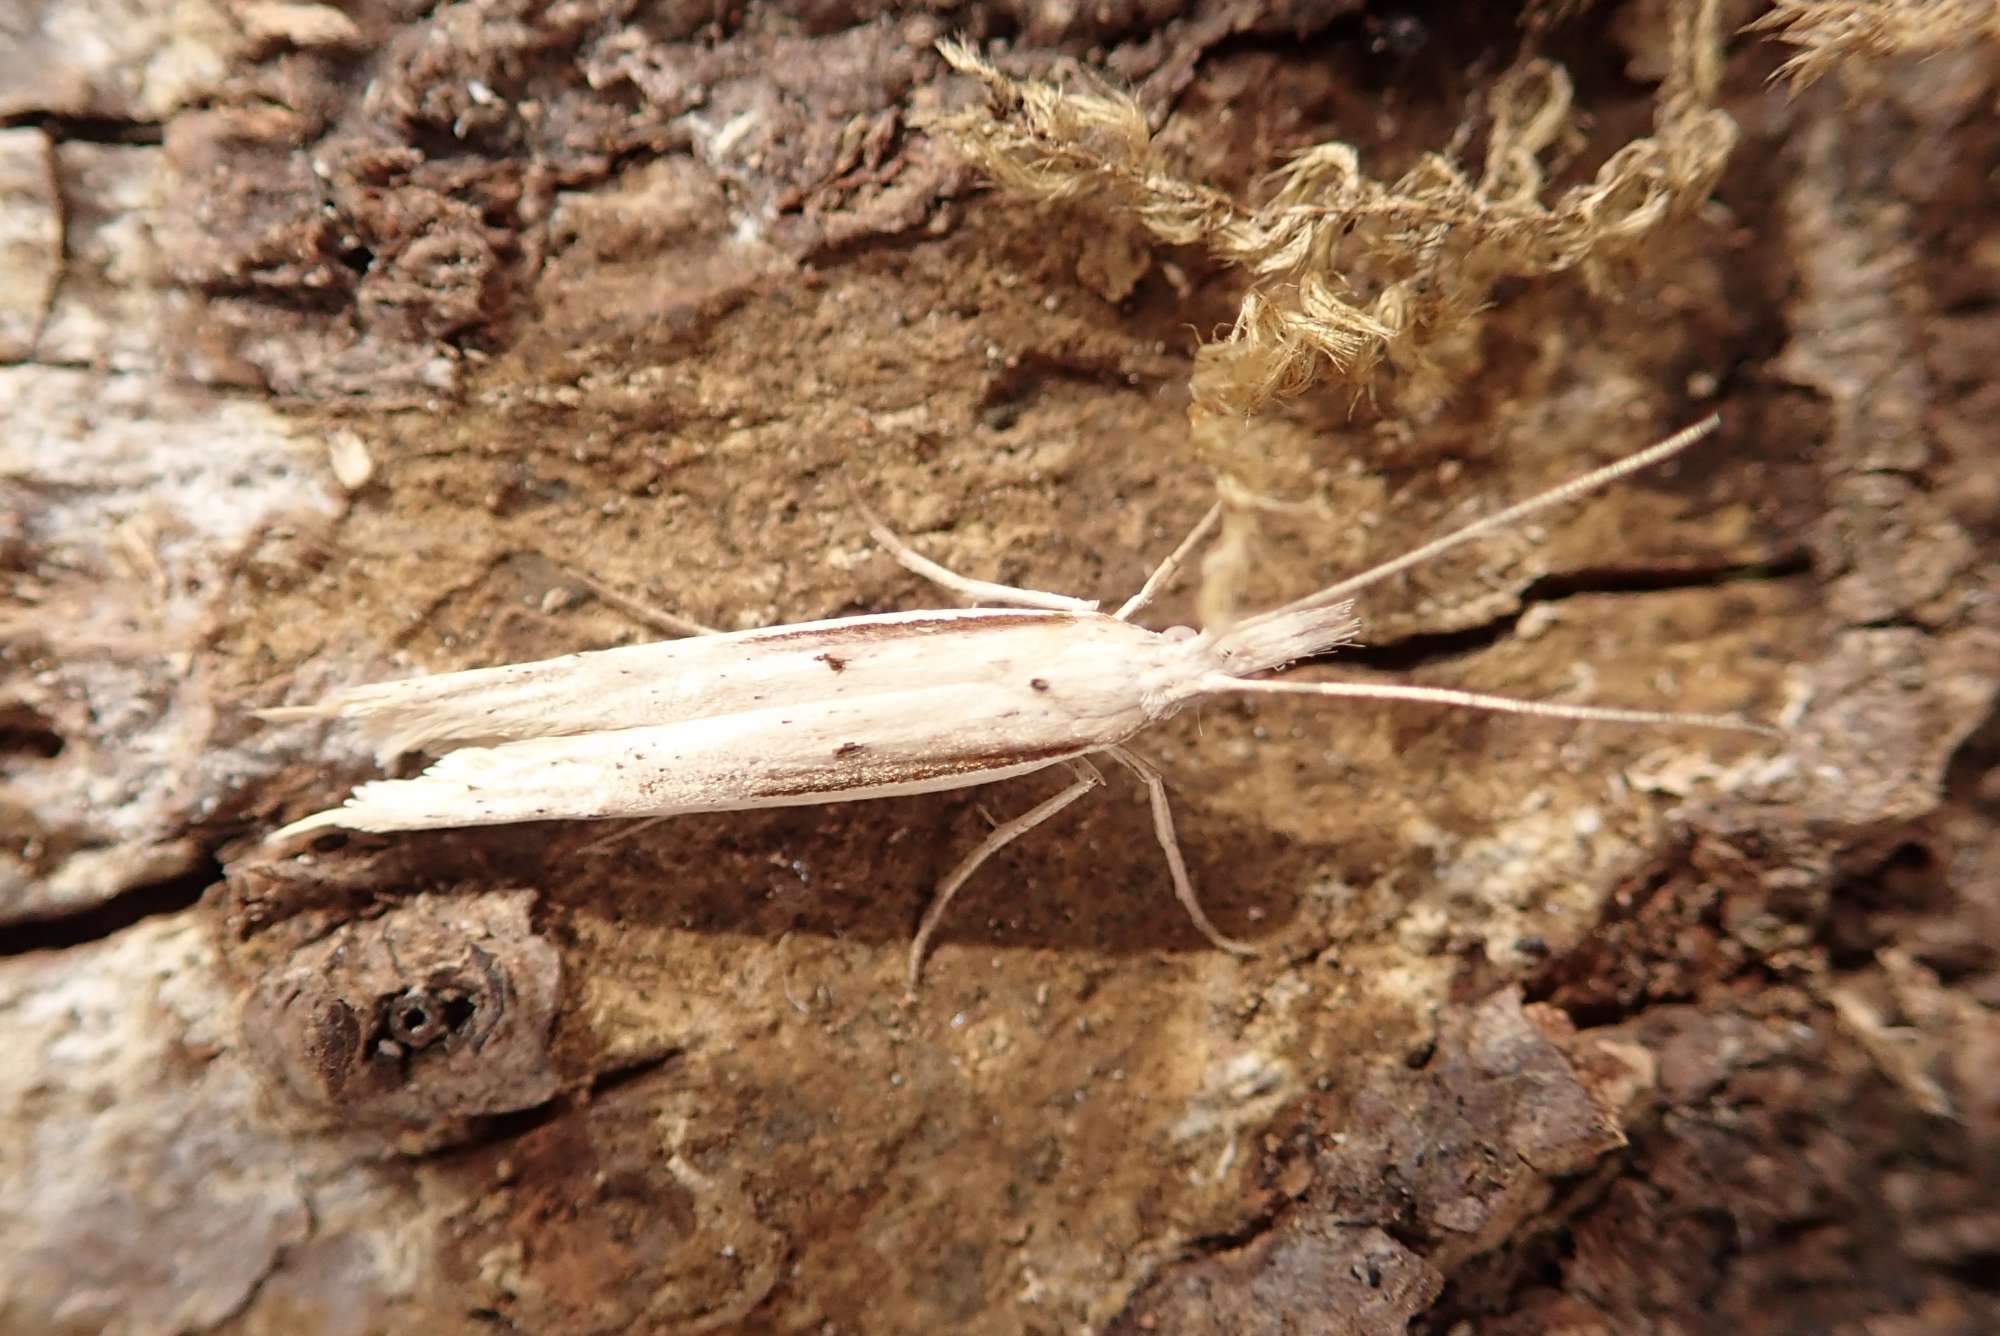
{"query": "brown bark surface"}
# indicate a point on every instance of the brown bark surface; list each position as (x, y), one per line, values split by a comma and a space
(341, 343)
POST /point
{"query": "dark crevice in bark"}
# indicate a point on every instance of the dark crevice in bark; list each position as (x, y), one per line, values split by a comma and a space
(1209, 1245)
(616, 1078)
(1979, 1271)
(497, 1130)
(1635, 580)
(27, 732)
(173, 895)
(1978, 755)
(502, 1128)
(1430, 647)
(87, 129)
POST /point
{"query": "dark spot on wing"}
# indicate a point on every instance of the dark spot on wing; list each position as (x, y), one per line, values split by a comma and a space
(847, 749)
(1039, 683)
(833, 661)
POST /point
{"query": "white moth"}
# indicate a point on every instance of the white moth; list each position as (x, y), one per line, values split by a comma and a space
(873, 707)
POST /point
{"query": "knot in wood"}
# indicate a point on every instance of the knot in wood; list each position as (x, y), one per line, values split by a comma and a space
(438, 1009)
(420, 1017)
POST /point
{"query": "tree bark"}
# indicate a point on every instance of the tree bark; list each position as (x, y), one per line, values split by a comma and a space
(345, 343)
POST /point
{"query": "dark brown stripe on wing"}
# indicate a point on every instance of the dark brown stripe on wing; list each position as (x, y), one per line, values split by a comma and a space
(860, 630)
(863, 771)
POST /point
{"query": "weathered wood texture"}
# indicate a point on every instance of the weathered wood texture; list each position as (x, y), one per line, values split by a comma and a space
(336, 344)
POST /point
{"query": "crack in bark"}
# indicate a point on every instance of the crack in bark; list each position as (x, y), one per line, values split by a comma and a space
(63, 128)
(1426, 648)
(501, 1128)
(627, 1073)
(1234, 1240)
(279, 1257)
(65, 932)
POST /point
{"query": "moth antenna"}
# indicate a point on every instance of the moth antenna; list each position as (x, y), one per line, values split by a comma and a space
(1217, 683)
(657, 618)
(1555, 496)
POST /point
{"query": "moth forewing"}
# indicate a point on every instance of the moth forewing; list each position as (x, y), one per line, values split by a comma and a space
(843, 710)
(706, 677)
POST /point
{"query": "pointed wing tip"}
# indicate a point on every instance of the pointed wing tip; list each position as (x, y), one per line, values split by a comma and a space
(331, 817)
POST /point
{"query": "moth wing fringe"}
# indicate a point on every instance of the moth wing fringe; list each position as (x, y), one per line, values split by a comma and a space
(442, 796)
(409, 715)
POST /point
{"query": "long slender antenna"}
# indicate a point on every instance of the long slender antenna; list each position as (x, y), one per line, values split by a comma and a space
(1218, 683)
(1555, 496)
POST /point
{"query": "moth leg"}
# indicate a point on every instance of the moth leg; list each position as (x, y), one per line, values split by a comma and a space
(1163, 828)
(975, 591)
(658, 618)
(1088, 777)
(1170, 567)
